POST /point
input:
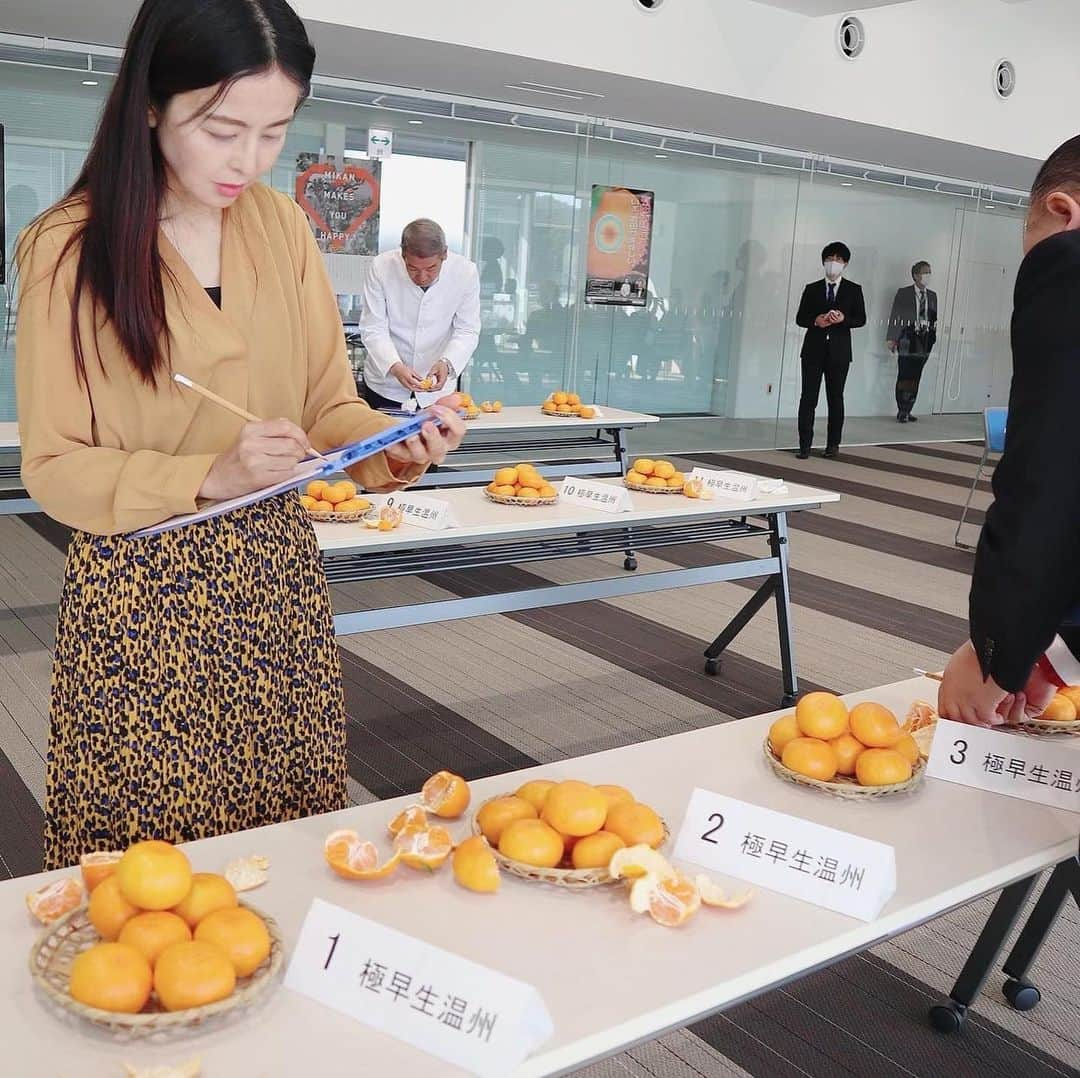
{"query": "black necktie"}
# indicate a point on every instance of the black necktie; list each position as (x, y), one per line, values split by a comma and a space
(832, 292)
(922, 307)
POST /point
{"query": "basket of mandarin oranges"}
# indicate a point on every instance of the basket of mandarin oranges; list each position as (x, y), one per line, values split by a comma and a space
(520, 485)
(655, 477)
(564, 405)
(156, 949)
(334, 502)
(857, 754)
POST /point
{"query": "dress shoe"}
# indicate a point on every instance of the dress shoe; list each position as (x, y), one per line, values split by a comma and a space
(803, 454)
(912, 419)
(901, 417)
(831, 451)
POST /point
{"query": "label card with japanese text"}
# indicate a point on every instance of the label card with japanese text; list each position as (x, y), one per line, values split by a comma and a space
(805, 860)
(473, 1017)
(434, 514)
(1044, 770)
(727, 484)
(606, 497)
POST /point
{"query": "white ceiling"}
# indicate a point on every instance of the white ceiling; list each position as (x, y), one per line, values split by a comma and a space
(830, 7)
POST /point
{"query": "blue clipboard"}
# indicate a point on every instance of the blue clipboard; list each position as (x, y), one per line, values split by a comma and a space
(307, 470)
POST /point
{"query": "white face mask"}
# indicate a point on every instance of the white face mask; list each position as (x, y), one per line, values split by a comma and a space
(833, 269)
(924, 280)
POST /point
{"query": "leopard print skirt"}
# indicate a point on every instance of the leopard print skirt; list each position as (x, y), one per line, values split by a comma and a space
(196, 685)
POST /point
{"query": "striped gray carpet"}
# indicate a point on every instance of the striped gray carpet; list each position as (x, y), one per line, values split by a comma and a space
(879, 589)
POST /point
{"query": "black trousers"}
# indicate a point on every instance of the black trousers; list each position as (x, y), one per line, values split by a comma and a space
(377, 400)
(835, 375)
(909, 368)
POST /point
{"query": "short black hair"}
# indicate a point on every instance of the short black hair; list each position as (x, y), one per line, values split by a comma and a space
(841, 250)
(1060, 171)
(920, 267)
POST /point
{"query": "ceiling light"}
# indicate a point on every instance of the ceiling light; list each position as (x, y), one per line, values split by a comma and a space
(90, 82)
(846, 183)
(661, 156)
(416, 122)
(552, 91)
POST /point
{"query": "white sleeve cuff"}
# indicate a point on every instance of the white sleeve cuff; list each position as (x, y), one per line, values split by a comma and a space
(1065, 663)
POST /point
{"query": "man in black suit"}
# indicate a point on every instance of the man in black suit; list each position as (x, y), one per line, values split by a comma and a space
(829, 311)
(912, 333)
(1026, 585)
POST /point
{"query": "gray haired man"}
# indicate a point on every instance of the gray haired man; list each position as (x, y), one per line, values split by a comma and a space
(421, 319)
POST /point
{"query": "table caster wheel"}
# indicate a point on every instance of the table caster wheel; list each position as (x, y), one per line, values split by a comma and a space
(712, 667)
(1021, 995)
(948, 1017)
(629, 563)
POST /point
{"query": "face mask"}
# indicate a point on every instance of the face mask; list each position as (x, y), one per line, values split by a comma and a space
(924, 280)
(833, 269)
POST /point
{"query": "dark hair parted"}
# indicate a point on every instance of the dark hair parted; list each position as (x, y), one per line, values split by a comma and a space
(838, 250)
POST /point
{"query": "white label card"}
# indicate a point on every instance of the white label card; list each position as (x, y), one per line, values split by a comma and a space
(606, 497)
(1044, 770)
(805, 860)
(422, 510)
(473, 1017)
(727, 484)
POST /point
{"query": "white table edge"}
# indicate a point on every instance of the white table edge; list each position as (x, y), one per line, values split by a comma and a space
(864, 935)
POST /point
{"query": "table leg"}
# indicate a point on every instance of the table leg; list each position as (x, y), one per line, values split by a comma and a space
(1065, 879)
(618, 440)
(778, 544)
(949, 1017)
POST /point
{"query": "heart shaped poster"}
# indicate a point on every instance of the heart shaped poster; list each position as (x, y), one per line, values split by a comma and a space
(342, 205)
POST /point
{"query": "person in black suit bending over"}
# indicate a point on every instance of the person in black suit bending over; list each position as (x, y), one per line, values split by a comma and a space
(829, 311)
(1025, 590)
(912, 333)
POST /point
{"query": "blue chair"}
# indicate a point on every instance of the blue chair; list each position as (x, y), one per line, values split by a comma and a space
(994, 423)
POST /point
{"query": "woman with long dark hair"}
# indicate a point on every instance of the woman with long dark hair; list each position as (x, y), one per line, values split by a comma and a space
(196, 686)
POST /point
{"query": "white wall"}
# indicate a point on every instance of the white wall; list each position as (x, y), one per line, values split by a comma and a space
(927, 67)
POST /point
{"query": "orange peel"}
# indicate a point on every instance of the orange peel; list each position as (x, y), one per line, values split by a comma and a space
(446, 795)
(354, 858)
(635, 862)
(712, 894)
(51, 902)
(423, 847)
(247, 873)
(410, 816)
(669, 901)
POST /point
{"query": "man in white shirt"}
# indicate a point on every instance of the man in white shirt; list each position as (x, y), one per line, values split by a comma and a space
(421, 319)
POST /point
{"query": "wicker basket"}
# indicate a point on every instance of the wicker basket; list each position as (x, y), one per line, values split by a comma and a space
(338, 518)
(499, 499)
(652, 490)
(57, 947)
(560, 415)
(571, 879)
(1045, 728)
(847, 789)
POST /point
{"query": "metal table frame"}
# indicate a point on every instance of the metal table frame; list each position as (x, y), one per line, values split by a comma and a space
(356, 565)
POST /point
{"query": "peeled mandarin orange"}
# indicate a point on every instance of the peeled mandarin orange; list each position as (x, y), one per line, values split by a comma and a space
(635, 824)
(413, 816)
(354, 859)
(532, 842)
(811, 757)
(782, 731)
(494, 817)
(575, 808)
(192, 974)
(595, 851)
(848, 749)
(908, 747)
(112, 977)
(153, 875)
(51, 902)
(505, 477)
(445, 794)
(670, 901)
(636, 478)
(644, 466)
(633, 862)
(242, 936)
(821, 714)
(875, 726)
(882, 767)
(96, 866)
(209, 892)
(151, 932)
(475, 867)
(663, 469)
(615, 794)
(424, 847)
(108, 910)
(535, 792)
(1060, 709)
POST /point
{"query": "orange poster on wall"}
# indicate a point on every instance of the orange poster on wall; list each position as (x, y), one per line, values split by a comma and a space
(620, 241)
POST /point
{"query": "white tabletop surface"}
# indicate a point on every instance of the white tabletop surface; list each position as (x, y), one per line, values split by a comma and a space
(481, 519)
(608, 977)
(530, 417)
